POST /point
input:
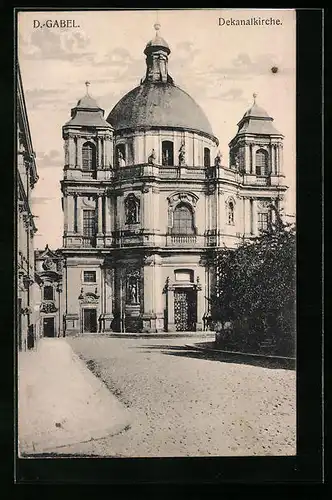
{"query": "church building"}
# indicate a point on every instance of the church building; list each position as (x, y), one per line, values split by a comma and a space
(146, 199)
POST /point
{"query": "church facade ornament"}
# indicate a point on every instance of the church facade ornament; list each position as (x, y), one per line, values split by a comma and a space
(48, 307)
(184, 196)
(132, 209)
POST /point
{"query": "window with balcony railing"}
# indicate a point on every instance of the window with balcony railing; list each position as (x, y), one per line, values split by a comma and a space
(183, 220)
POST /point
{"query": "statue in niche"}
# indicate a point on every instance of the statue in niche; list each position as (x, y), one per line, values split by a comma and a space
(132, 292)
(182, 155)
(152, 158)
(217, 160)
(121, 160)
(132, 210)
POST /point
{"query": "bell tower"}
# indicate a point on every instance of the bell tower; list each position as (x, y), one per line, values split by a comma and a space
(88, 217)
(88, 146)
(256, 156)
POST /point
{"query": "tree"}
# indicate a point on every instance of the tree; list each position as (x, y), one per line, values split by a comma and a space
(255, 288)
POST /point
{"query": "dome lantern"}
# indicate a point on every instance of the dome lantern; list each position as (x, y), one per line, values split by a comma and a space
(157, 51)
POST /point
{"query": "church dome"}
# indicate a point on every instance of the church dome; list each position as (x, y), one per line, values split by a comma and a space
(157, 102)
(158, 105)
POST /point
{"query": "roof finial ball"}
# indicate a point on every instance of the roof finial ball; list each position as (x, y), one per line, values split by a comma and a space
(254, 96)
(156, 27)
(87, 83)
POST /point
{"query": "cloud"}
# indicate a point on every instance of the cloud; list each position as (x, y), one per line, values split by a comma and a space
(118, 57)
(51, 159)
(243, 65)
(209, 81)
(41, 200)
(38, 98)
(120, 67)
(64, 46)
(229, 95)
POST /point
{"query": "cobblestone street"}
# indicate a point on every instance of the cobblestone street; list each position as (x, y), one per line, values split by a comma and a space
(185, 405)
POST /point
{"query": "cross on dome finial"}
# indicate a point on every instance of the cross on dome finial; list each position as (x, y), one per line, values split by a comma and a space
(254, 96)
(87, 83)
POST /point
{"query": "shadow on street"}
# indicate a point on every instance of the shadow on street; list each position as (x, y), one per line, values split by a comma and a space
(243, 359)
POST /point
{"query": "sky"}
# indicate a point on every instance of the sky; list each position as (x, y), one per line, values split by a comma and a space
(219, 66)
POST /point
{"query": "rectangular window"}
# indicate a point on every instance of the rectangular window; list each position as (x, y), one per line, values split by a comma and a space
(167, 150)
(89, 223)
(263, 220)
(207, 160)
(48, 293)
(89, 276)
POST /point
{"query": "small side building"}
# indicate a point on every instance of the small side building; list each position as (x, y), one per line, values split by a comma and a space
(49, 268)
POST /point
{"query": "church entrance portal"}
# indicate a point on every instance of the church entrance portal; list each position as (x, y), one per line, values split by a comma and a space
(90, 320)
(185, 309)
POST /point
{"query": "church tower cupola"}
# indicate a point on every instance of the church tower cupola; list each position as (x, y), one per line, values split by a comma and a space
(88, 140)
(257, 147)
(157, 52)
(87, 113)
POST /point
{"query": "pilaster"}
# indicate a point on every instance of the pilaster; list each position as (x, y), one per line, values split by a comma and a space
(247, 158)
(70, 212)
(247, 217)
(170, 308)
(255, 216)
(200, 307)
(153, 316)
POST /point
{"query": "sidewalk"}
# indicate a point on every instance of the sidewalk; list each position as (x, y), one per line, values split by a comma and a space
(60, 401)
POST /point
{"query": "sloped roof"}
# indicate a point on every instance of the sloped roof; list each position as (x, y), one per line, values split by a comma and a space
(257, 121)
(87, 113)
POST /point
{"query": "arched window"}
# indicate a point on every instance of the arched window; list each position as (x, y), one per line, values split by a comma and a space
(132, 209)
(262, 167)
(183, 220)
(88, 156)
(230, 212)
(167, 150)
(207, 158)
